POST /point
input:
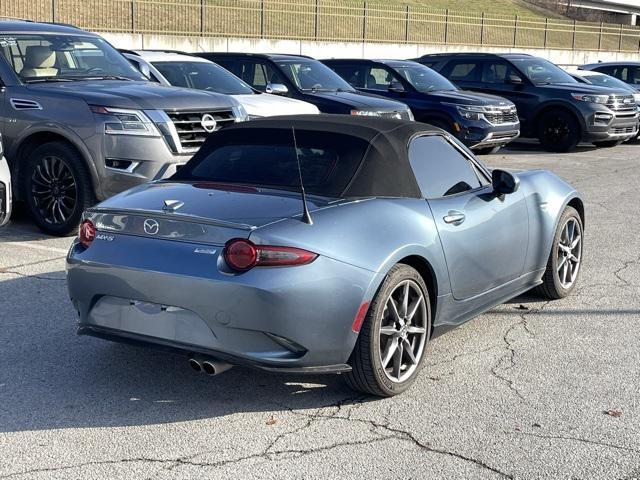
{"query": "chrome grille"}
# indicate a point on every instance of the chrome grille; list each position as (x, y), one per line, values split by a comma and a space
(189, 127)
(501, 115)
(623, 105)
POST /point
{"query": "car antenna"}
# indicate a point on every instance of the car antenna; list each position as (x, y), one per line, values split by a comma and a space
(306, 216)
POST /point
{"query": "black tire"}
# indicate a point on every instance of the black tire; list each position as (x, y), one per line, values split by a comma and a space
(486, 150)
(368, 374)
(558, 130)
(608, 143)
(552, 287)
(66, 166)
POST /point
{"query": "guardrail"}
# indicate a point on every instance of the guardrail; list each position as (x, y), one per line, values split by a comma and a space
(326, 20)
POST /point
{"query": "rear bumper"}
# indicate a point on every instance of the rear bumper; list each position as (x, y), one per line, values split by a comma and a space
(159, 292)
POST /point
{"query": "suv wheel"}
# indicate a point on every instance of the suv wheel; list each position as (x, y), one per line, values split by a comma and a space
(57, 187)
(390, 349)
(558, 131)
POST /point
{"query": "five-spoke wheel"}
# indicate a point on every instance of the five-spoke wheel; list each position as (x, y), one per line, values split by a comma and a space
(390, 348)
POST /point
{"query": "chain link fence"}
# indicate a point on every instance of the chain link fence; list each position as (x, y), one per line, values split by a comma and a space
(326, 20)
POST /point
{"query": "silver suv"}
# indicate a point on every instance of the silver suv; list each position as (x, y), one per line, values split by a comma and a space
(80, 123)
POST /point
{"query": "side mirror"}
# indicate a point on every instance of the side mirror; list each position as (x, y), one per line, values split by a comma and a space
(276, 89)
(396, 86)
(504, 182)
(515, 79)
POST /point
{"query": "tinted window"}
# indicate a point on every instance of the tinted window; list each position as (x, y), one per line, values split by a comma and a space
(463, 71)
(351, 73)
(496, 72)
(422, 78)
(606, 81)
(440, 169)
(542, 72)
(202, 76)
(268, 159)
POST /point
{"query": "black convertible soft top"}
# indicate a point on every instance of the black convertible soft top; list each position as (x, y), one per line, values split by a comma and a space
(374, 147)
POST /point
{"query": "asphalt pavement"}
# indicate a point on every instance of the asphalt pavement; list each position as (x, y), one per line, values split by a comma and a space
(531, 389)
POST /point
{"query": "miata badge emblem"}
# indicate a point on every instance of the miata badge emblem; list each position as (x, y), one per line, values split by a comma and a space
(151, 226)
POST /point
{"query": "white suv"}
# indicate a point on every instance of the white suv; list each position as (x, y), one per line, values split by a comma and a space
(5, 189)
(184, 70)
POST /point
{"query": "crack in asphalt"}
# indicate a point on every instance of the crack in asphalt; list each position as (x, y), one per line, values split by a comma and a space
(625, 264)
(578, 439)
(508, 361)
(24, 275)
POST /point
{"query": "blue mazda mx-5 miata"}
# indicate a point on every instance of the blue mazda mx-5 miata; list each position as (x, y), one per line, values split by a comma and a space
(400, 235)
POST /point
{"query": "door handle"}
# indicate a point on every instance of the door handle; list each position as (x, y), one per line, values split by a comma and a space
(454, 217)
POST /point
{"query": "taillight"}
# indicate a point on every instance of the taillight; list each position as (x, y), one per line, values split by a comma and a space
(241, 254)
(87, 233)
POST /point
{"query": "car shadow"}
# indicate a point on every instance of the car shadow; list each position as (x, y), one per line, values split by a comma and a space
(533, 147)
(50, 378)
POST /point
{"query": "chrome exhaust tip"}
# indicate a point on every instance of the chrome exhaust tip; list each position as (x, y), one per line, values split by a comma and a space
(195, 364)
(215, 367)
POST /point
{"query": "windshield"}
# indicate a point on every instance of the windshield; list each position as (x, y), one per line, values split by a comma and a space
(203, 76)
(541, 71)
(423, 78)
(606, 81)
(43, 57)
(314, 76)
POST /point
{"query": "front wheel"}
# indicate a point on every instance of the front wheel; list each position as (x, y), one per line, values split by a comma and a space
(57, 187)
(558, 131)
(565, 259)
(389, 351)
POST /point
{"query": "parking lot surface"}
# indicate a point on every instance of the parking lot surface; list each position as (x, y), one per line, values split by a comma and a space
(531, 389)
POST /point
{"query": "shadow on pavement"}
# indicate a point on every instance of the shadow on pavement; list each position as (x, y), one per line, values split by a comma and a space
(50, 378)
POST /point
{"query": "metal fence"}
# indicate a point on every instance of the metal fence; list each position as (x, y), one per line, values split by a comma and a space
(326, 20)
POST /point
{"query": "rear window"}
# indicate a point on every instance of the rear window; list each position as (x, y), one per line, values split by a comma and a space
(328, 161)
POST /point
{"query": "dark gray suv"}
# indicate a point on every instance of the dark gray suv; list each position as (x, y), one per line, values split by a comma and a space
(80, 124)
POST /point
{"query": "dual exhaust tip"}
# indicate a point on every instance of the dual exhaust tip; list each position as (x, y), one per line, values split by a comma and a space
(208, 366)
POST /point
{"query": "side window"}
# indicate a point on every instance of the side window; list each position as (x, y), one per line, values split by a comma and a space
(633, 75)
(351, 73)
(441, 169)
(608, 70)
(463, 71)
(496, 72)
(377, 78)
(273, 75)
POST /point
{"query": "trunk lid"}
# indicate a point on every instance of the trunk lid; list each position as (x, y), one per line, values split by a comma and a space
(200, 212)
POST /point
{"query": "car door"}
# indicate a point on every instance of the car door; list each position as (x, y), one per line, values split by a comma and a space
(484, 236)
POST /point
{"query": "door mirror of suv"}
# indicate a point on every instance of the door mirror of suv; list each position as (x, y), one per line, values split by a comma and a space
(504, 182)
(277, 89)
(396, 86)
(515, 79)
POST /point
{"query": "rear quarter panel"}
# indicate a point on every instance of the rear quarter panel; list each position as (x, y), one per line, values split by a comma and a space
(373, 234)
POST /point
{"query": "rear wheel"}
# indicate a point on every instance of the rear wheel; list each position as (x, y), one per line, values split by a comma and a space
(57, 187)
(558, 131)
(608, 143)
(389, 351)
(565, 259)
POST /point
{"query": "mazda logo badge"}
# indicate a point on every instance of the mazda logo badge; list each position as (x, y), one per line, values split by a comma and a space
(151, 227)
(208, 123)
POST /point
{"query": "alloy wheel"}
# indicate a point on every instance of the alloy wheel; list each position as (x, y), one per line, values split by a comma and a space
(403, 331)
(53, 188)
(569, 253)
(556, 130)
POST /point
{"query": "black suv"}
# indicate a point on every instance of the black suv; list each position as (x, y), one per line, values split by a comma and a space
(482, 122)
(552, 105)
(307, 79)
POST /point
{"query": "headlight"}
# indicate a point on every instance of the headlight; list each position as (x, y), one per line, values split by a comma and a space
(240, 113)
(471, 112)
(602, 99)
(126, 122)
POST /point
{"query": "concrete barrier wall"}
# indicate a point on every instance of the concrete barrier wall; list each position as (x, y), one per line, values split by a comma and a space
(342, 49)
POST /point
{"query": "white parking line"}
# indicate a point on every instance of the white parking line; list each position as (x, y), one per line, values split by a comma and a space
(62, 251)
